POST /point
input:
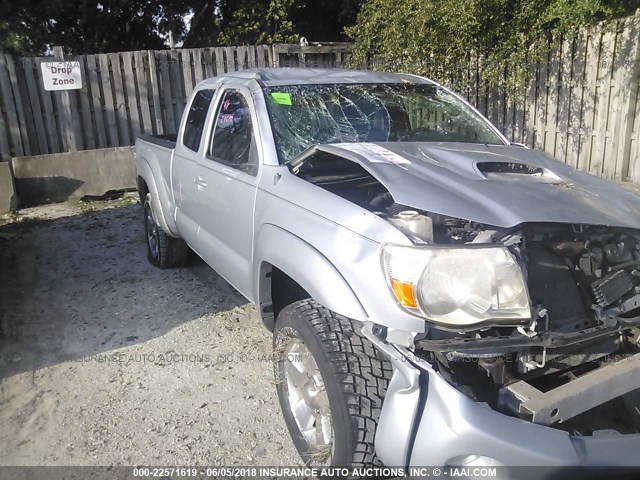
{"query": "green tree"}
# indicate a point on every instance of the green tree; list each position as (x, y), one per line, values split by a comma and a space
(435, 37)
(81, 26)
(247, 22)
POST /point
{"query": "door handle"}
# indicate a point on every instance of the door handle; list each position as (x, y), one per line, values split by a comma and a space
(199, 181)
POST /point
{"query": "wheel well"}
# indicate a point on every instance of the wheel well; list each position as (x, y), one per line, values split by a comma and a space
(284, 291)
(142, 189)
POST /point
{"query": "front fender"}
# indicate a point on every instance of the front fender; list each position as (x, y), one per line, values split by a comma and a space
(308, 267)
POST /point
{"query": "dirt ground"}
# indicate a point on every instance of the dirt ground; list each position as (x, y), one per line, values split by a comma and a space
(107, 360)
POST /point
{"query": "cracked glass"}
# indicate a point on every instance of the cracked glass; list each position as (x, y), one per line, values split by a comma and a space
(305, 115)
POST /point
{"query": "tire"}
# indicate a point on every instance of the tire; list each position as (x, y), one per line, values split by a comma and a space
(163, 251)
(354, 379)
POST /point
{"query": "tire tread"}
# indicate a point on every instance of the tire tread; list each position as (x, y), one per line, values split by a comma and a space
(362, 371)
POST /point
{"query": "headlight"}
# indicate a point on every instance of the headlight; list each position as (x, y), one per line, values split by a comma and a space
(458, 286)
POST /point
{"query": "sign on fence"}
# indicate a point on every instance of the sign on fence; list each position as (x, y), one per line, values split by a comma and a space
(61, 75)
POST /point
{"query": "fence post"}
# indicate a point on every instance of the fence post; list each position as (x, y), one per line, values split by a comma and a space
(627, 96)
(69, 141)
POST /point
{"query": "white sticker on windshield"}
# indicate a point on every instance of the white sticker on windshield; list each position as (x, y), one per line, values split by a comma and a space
(374, 153)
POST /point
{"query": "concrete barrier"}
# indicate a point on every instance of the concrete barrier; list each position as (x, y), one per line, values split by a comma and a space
(60, 176)
(8, 198)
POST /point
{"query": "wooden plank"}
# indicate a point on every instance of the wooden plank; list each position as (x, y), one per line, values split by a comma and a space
(177, 86)
(541, 104)
(576, 134)
(20, 111)
(625, 78)
(242, 57)
(508, 102)
(165, 87)
(492, 105)
(550, 144)
(187, 71)
(482, 90)
(603, 95)
(27, 100)
(564, 98)
(101, 138)
(219, 52)
(261, 53)
(29, 67)
(155, 92)
(74, 107)
(529, 115)
(474, 80)
(9, 104)
(209, 63)
(120, 103)
(590, 86)
(251, 56)
(198, 73)
(53, 137)
(634, 158)
(140, 74)
(272, 58)
(107, 89)
(70, 142)
(230, 64)
(131, 94)
(85, 107)
(5, 145)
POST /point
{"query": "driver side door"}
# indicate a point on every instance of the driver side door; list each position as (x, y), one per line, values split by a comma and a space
(229, 171)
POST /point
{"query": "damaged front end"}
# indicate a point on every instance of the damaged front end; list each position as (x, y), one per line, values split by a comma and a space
(555, 332)
(536, 325)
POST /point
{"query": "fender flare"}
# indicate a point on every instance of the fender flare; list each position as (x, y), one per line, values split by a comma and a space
(308, 267)
(145, 171)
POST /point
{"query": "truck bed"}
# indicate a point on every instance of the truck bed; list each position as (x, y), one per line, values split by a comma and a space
(167, 140)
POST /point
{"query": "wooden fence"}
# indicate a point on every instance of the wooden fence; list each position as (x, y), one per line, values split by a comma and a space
(581, 105)
(124, 94)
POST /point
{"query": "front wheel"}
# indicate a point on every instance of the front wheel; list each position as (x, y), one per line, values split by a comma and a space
(331, 383)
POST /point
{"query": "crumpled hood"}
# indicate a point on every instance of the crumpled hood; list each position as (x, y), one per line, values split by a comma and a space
(500, 185)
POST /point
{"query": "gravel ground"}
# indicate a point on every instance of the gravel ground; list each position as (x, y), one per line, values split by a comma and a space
(107, 360)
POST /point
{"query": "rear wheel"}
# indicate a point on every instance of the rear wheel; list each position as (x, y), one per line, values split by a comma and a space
(163, 250)
(331, 383)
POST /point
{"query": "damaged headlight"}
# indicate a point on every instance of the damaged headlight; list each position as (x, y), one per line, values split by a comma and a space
(458, 286)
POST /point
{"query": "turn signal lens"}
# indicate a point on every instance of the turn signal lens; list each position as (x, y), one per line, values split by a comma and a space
(404, 293)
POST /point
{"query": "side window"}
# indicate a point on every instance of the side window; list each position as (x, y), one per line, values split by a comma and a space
(233, 143)
(196, 118)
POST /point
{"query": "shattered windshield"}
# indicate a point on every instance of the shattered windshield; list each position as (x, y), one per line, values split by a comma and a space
(304, 115)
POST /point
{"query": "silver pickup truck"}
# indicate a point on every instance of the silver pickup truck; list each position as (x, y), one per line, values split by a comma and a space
(437, 295)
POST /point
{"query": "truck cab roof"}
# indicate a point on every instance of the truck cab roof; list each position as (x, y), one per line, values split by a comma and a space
(317, 76)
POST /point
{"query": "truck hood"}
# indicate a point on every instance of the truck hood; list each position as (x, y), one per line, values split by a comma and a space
(499, 185)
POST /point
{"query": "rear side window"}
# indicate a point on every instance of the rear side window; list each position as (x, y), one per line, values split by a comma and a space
(195, 120)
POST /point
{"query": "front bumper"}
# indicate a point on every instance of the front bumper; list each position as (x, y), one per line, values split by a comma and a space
(427, 422)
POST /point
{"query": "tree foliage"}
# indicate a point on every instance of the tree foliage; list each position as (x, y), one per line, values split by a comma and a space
(82, 26)
(435, 37)
(31, 27)
(247, 22)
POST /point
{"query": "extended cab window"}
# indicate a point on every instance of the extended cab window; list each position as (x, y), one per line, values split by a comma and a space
(233, 143)
(195, 121)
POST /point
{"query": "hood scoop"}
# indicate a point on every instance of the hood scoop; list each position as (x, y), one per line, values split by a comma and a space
(514, 170)
(488, 168)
